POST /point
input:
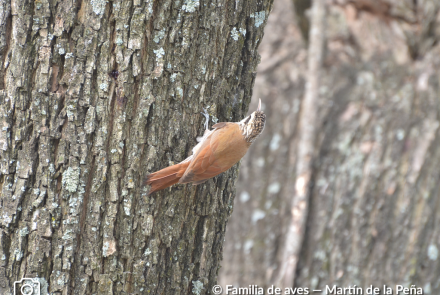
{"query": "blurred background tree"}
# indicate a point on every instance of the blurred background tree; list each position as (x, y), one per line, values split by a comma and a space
(373, 195)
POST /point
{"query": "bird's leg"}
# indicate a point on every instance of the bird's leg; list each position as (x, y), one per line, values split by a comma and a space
(205, 113)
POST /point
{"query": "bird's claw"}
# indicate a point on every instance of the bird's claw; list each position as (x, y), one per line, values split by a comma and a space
(205, 113)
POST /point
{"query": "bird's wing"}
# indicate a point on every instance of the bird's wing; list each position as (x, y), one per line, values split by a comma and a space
(219, 125)
(216, 153)
(202, 139)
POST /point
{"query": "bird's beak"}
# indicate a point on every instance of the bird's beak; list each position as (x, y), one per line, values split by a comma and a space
(259, 105)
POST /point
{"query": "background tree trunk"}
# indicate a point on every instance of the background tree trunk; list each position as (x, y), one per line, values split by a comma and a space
(94, 95)
(375, 190)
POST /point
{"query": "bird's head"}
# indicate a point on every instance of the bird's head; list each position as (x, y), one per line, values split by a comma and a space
(253, 125)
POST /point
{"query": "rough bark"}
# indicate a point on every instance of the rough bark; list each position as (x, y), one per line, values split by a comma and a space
(94, 95)
(375, 190)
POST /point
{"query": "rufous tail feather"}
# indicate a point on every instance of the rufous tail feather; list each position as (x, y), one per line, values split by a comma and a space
(166, 177)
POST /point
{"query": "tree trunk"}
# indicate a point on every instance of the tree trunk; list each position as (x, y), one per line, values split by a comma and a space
(95, 95)
(374, 188)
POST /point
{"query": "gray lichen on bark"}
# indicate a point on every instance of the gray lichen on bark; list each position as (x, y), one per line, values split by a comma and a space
(77, 139)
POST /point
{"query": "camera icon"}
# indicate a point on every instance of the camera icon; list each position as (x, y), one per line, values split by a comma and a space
(27, 286)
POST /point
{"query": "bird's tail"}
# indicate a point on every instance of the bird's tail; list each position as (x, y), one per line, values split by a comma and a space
(165, 177)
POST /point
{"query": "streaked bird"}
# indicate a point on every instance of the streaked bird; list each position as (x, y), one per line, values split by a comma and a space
(217, 151)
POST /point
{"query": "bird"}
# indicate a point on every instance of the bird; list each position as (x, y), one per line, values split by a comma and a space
(217, 151)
